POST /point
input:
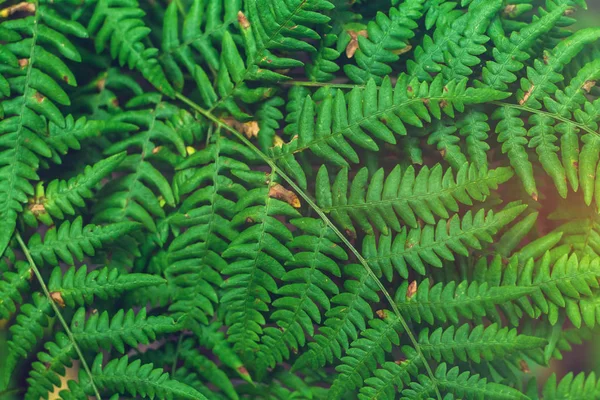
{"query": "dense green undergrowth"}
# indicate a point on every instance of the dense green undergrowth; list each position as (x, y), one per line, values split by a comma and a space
(297, 199)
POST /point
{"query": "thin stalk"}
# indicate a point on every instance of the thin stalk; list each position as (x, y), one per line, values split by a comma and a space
(36, 271)
(321, 84)
(327, 221)
(547, 114)
(176, 358)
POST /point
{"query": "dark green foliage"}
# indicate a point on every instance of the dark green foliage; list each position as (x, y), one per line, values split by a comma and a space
(298, 199)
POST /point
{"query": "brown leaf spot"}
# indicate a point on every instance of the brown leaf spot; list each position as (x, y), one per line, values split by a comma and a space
(101, 84)
(243, 21)
(58, 299)
(353, 44)
(403, 50)
(588, 85)
(524, 367)
(382, 314)
(250, 129)
(279, 192)
(156, 149)
(39, 97)
(23, 6)
(23, 62)
(242, 370)
(411, 290)
(37, 208)
(534, 196)
(443, 104)
(527, 95)
(509, 9)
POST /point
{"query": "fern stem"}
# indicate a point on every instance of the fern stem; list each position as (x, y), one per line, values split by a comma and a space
(322, 84)
(327, 221)
(177, 350)
(547, 114)
(39, 277)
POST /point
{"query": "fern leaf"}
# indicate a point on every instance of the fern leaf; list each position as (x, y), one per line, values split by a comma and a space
(61, 197)
(388, 380)
(386, 37)
(553, 285)
(575, 386)
(256, 257)
(72, 241)
(308, 287)
(119, 24)
(372, 113)
(403, 195)
(103, 331)
(463, 385)
(344, 321)
(365, 353)
(432, 244)
(450, 301)
(32, 103)
(25, 333)
(476, 344)
(51, 365)
(78, 287)
(12, 285)
(121, 376)
(131, 196)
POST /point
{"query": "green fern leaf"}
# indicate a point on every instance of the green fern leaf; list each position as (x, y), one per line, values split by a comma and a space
(119, 24)
(72, 241)
(119, 375)
(78, 287)
(402, 196)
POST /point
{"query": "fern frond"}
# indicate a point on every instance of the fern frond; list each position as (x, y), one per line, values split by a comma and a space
(26, 332)
(463, 385)
(121, 376)
(451, 301)
(51, 365)
(372, 113)
(386, 37)
(571, 386)
(103, 331)
(78, 287)
(193, 260)
(61, 197)
(184, 44)
(256, 257)
(308, 287)
(432, 244)
(31, 96)
(12, 286)
(476, 344)
(553, 283)
(119, 25)
(72, 241)
(511, 52)
(205, 368)
(389, 380)
(365, 353)
(404, 195)
(131, 195)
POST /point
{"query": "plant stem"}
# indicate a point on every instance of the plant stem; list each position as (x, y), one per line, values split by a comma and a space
(328, 222)
(58, 313)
